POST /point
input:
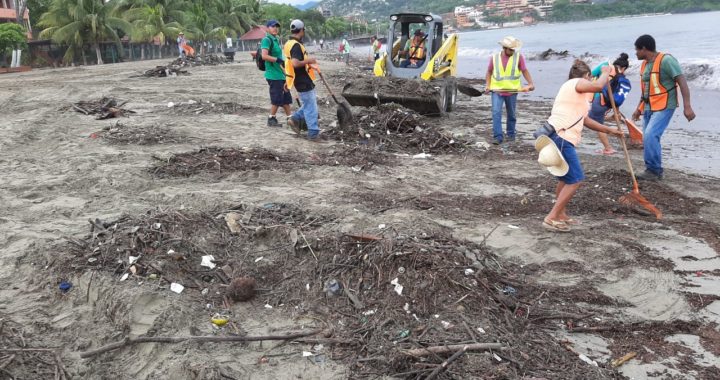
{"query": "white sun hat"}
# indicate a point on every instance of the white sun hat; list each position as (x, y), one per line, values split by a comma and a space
(550, 157)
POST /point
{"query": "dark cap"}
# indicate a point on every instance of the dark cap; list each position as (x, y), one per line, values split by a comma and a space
(419, 32)
(272, 22)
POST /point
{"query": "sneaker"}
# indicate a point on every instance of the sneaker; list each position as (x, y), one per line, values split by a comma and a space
(649, 176)
(294, 125)
(511, 138)
(497, 142)
(273, 122)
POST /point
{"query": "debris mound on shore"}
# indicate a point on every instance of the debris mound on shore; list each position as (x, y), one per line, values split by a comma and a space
(198, 107)
(393, 128)
(223, 160)
(103, 108)
(122, 134)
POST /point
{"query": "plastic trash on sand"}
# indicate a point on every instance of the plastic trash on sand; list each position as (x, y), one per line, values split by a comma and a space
(398, 288)
(207, 261)
(177, 288)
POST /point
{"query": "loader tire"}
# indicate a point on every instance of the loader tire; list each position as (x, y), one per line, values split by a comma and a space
(450, 94)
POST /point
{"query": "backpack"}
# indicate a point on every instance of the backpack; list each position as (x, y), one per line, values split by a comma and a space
(259, 61)
(341, 48)
(620, 86)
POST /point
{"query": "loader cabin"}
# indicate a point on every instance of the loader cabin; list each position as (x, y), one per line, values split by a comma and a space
(403, 28)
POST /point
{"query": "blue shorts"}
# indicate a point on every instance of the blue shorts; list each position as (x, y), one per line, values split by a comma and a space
(278, 95)
(575, 173)
(597, 111)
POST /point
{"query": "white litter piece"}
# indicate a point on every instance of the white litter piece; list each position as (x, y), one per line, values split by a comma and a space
(191, 101)
(587, 360)
(207, 261)
(307, 287)
(513, 227)
(170, 251)
(268, 306)
(133, 259)
(469, 271)
(482, 145)
(156, 226)
(177, 288)
(171, 104)
(398, 287)
(369, 312)
(125, 277)
(445, 324)
(497, 357)
(307, 353)
(407, 308)
(381, 226)
(259, 258)
(481, 330)
(422, 156)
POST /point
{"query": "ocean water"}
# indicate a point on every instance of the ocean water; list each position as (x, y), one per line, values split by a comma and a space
(692, 38)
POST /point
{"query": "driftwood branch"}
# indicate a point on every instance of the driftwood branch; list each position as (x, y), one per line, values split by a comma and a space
(447, 362)
(452, 348)
(178, 339)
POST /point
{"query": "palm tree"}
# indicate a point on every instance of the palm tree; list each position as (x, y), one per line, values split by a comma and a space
(149, 25)
(79, 22)
(201, 27)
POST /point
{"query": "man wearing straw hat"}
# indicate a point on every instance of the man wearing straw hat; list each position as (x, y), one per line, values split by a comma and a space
(503, 80)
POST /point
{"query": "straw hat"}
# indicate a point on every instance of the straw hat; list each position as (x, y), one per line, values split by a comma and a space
(550, 156)
(511, 42)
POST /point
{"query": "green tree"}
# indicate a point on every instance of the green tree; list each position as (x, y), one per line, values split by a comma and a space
(234, 16)
(12, 37)
(149, 26)
(79, 22)
(201, 27)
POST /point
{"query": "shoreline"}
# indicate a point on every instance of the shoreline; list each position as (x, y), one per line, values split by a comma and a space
(622, 268)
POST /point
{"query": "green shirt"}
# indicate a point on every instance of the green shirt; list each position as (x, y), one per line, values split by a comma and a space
(669, 70)
(273, 71)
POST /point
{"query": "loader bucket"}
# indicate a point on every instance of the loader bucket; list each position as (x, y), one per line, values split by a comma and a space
(423, 97)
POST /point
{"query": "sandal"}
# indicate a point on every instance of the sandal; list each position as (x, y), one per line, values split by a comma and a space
(571, 221)
(556, 226)
(606, 152)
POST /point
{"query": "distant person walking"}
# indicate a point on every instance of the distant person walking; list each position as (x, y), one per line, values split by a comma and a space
(503, 80)
(299, 74)
(376, 46)
(345, 50)
(557, 151)
(620, 86)
(660, 78)
(181, 41)
(275, 73)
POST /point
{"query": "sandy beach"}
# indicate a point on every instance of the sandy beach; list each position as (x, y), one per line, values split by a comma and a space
(460, 231)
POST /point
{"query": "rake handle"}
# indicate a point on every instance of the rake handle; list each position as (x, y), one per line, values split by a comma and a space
(327, 86)
(616, 114)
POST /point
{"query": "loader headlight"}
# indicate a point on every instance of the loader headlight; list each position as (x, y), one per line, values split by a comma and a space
(428, 18)
(393, 18)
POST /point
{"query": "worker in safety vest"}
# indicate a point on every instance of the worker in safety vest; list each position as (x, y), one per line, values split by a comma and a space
(181, 42)
(300, 74)
(415, 50)
(503, 80)
(660, 78)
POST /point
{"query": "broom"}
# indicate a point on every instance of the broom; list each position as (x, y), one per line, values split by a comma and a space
(634, 198)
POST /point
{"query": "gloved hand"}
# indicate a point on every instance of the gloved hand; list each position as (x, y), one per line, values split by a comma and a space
(280, 62)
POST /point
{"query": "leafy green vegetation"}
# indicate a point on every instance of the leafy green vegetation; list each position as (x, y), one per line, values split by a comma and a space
(12, 36)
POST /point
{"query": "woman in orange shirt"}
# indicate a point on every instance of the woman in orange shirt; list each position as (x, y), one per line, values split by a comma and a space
(569, 115)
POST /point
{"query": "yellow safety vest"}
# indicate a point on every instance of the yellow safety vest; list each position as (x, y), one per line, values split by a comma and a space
(506, 77)
(289, 68)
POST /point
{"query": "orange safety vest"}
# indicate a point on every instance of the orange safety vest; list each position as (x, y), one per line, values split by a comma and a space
(417, 52)
(289, 68)
(658, 95)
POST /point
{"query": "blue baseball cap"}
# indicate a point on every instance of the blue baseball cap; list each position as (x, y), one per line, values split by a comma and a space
(272, 22)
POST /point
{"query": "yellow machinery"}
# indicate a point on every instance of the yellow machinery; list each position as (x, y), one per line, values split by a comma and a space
(427, 86)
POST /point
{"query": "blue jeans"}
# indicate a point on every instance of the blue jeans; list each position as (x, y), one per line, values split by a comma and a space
(510, 104)
(406, 63)
(575, 172)
(308, 112)
(654, 125)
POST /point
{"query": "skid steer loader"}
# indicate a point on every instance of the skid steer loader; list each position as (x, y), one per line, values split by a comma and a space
(428, 87)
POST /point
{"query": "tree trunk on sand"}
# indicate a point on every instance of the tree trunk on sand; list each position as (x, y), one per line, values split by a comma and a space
(98, 53)
(82, 51)
(130, 53)
(142, 52)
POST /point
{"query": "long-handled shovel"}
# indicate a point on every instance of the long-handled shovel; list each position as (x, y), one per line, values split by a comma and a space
(634, 197)
(344, 114)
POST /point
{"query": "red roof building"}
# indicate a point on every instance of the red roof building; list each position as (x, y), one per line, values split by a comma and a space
(8, 14)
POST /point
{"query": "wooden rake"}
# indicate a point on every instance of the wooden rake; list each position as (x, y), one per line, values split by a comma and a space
(633, 198)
